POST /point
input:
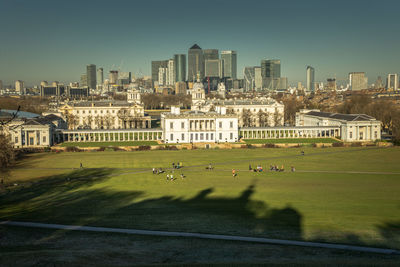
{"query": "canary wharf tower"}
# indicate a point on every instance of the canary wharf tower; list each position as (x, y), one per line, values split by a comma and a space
(195, 63)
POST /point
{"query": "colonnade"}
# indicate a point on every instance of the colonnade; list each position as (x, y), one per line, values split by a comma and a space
(290, 132)
(110, 135)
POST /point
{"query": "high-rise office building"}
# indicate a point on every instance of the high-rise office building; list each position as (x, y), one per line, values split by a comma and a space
(195, 63)
(210, 54)
(212, 68)
(180, 67)
(124, 78)
(155, 66)
(229, 59)
(358, 81)
(100, 77)
(91, 76)
(19, 87)
(171, 72)
(310, 79)
(249, 78)
(162, 76)
(392, 82)
(271, 68)
(331, 84)
(113, 77)
(379, 83)
(83, 80)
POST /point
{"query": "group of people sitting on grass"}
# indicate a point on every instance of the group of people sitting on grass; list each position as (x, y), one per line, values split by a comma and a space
(177, 165)
(209, 167)
(276, 168)
(158, 170)
(258, 169)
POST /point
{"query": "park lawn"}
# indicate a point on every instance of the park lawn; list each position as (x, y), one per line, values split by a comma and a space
(291, 141)
(321, 201)
(106, 144)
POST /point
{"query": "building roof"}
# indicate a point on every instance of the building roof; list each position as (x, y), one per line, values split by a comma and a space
(110, 103)
(232, 102)
(198, 114)
(195, 46)
(344, 117)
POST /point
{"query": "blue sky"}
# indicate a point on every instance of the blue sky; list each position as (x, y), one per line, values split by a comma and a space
(54, 40)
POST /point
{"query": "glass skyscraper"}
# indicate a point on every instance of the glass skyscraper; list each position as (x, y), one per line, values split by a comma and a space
(91, 76)
(271, 68)
(229, 59)
(195, 63)
(310, 79)
(180, 67)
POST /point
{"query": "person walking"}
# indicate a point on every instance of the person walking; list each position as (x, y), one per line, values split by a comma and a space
(233, 172)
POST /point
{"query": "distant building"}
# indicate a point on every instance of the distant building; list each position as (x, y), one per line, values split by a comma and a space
(44, 83)
(83, 82)
(310, 79)
(19, 87)
(171, 72)
(229, 60)
(155, 67)
(180, 67)
(331, 84)
(353, 127)
(53, 91)
(211, 54)
(379, 83)
(392, 82)
(213, 68)
(180, 88)
(78, 92)
(91, 76)
(113, 77)
(100, 76)
(271, 68)
(195, 63)
(358, 81)
(124, 78)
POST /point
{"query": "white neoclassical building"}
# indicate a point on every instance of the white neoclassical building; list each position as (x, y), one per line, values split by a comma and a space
(257, 112)
(197, 126)
(353, 127)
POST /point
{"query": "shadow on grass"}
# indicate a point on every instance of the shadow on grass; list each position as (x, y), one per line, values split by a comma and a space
(67, 199)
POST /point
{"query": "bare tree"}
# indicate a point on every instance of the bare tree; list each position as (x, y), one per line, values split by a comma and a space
(277, 118)
(246, 118)
(262, 118)
(124, 116)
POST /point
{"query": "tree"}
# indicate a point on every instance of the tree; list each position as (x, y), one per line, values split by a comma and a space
(277, 118)
(246, 118)
(108, 121)
(124, 116)
(72, 121)
(262, 118)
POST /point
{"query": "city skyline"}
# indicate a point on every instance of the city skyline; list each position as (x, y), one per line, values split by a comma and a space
(335, 40)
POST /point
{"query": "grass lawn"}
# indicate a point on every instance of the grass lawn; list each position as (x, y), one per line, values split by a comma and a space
(291, 141)
(346, 195)
(106, 144)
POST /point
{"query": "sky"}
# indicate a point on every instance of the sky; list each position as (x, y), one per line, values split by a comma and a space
(55, 40)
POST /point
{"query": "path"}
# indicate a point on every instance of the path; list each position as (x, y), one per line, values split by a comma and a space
(202, 236)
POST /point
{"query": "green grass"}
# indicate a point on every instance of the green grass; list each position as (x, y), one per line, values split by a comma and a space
(105, 144)
(291, 141)
(346, 195)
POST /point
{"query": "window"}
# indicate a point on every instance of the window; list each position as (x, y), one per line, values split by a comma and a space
(171, 125)
(90, 111)
(16, 139)
(351, 134)
(197, 136)
(220, 136)
(83, 112)
(113, 111)
(231, 136)
(172, 137)
(376, 134)
(220, 124)
(212, 136)
(206, 136)
(44, 139)
(95, 111)
(231, 124)
(202, 136)
(183, 137)
(182, 125)
(191, 137)
(77, 112)
(101, 111)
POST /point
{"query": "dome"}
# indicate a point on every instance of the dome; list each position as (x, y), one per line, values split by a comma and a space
(198, 85)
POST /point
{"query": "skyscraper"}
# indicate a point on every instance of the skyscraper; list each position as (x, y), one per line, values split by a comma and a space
(195, 63)
(271, 68)
(155, 66)
(113, 76)
(310, 79)
(358, 81)
(249, 78)
(180, 67)
(229, 59)
(19, 87)
(83, 80)
(100, 75)
(212, 68)
(210, 54)
(171, 72)
(91, 76)
(392, 82)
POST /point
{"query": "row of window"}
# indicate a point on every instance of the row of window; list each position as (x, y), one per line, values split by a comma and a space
(94, 111)
(201, 137)
(171, 125)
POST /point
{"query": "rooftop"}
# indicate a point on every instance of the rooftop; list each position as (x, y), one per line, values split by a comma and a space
(344, 117)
